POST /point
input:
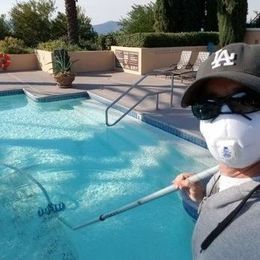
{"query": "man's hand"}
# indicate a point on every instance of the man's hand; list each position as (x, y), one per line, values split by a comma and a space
(195, 191)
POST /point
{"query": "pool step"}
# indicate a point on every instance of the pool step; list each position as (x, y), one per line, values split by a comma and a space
(41, 94)
(118, 135)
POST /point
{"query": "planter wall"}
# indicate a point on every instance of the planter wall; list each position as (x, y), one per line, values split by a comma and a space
(144, 60)
(128, 59)
(85, 61)
(252, 36)
(23, 62)
(133, 60)
(44, 60)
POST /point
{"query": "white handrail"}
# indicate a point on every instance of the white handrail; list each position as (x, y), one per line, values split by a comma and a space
(138, 102)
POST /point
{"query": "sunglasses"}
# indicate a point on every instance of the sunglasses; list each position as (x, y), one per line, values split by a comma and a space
(241, 103)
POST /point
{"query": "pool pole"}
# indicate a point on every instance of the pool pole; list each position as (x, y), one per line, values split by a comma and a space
(158, 194)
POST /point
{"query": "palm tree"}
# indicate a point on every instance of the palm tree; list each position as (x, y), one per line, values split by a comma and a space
(72, 21)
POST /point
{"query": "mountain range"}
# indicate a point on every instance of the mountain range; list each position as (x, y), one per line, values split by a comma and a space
(107, 27)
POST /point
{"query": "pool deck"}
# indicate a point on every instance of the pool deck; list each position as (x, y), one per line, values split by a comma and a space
(106, 87)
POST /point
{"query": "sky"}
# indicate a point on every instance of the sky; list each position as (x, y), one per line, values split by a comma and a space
(101, 11)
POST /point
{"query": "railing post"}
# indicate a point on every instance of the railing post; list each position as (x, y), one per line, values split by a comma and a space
(157, 101)
(172, 84)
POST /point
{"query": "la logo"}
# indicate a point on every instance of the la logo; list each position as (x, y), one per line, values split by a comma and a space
(223, 58)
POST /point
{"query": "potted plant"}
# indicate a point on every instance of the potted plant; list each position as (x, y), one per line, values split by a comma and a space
(62, 68)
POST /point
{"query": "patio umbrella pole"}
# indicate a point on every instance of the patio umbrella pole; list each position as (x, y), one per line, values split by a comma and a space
(158, 194)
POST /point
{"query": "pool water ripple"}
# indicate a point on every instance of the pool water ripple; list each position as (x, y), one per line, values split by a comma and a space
(92, 169)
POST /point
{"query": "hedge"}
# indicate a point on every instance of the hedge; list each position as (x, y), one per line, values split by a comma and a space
(57, 44)
(10, 45)
(166, 39)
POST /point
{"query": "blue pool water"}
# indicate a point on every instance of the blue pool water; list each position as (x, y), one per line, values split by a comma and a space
(63, 151)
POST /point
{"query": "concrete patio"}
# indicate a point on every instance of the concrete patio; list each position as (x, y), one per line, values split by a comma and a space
(40, 86)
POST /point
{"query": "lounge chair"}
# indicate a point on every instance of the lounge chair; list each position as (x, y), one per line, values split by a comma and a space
(182, 64)
(192, 71)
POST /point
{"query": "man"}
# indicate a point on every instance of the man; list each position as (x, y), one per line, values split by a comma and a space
(226, 99)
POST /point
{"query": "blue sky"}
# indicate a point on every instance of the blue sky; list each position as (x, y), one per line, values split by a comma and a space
(104, 10)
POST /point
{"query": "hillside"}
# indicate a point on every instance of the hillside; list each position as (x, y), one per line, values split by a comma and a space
(107, 27)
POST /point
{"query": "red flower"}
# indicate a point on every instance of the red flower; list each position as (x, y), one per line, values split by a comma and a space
(4, 61)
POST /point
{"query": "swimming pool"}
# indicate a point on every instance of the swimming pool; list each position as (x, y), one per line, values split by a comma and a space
(77, 160)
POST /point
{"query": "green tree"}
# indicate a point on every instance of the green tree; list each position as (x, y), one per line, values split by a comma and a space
(179, 15)
(5, 29)
(72, 21)
(59, 26)
(165, 15)
(85, 29)
(231, 20)
(30, 21)
(211, 19)
(192, 14)
(139, 19)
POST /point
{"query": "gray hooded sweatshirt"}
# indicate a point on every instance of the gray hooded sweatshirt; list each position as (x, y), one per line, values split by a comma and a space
(241, 238)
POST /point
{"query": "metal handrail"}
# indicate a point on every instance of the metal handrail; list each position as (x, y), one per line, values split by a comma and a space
(136, 104)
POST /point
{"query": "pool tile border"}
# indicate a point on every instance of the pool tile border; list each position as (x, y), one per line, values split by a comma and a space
(154, 122)
(11, 92)
(174, 130)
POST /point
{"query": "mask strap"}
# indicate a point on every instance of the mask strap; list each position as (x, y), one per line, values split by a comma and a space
(224, 223)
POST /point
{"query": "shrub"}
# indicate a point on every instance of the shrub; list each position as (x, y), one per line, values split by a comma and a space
(57, 44)
(87, 44)
(166, 39)
(106, 41)
(12, 45)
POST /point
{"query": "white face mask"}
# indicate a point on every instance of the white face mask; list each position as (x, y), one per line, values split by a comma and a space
(233, 139)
